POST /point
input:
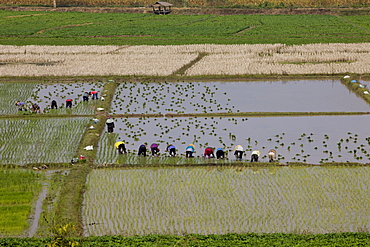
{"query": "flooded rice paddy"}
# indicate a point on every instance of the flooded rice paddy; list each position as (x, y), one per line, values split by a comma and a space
(219, 201)
(257, 96)
(314, 139)
(43, 94)
(24, 141)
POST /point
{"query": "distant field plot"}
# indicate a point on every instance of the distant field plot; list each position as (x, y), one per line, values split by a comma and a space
(12, 92)
(219, 201)
(43, 94)
(312, 139)
(78, 28)
(257, 96)
(40, 140)
(297, 59)
(18, 190)
(150, 60)
(360, 20)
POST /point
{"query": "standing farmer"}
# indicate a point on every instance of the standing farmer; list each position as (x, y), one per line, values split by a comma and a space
(110, 125)
(85, 97)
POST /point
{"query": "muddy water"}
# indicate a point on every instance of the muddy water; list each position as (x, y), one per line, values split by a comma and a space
(306, 139)
(264, 96)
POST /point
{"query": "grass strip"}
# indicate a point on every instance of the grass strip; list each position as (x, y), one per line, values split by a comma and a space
(357, 88)
(68, 207)
(92, 136)
(183, 69)
(231, 239)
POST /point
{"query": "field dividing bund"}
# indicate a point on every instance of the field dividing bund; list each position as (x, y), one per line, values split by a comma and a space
(180, 201)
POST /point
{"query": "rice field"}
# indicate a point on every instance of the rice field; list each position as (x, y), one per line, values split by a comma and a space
(43, 94)
(267, 59)
(25, 141)
(13, 92)
(218, 201)
(253, 96)
(314, 139)
(18, 192)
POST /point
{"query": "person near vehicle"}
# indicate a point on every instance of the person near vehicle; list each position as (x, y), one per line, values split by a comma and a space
(85, 97)
(171, 149)
(20, 105)
(255, 155)
(121, 147)
(272, 155)
(68, 103)
(110, 124)
(238, 152)
(142, 150)
(208, 153)
(94, 94)
(220, 154)
(190, 149)
(155, 149)
(54, 104)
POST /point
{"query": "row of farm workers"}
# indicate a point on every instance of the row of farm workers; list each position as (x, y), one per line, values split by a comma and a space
(35, 108)
(190, 149)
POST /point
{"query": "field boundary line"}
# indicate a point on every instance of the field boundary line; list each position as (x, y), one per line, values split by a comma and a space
(367, 30)
(184, 68)
(62, 27)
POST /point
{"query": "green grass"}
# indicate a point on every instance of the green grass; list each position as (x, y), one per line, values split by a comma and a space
(18, 191)
(231, 239)
(77, 28)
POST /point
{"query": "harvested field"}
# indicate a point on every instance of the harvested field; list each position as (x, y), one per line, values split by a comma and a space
(277, 59)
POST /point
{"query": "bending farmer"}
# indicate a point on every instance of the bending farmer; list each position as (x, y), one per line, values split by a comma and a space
(255, 155)
(121, 147)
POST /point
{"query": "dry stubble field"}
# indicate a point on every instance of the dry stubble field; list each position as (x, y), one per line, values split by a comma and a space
(199, 60)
